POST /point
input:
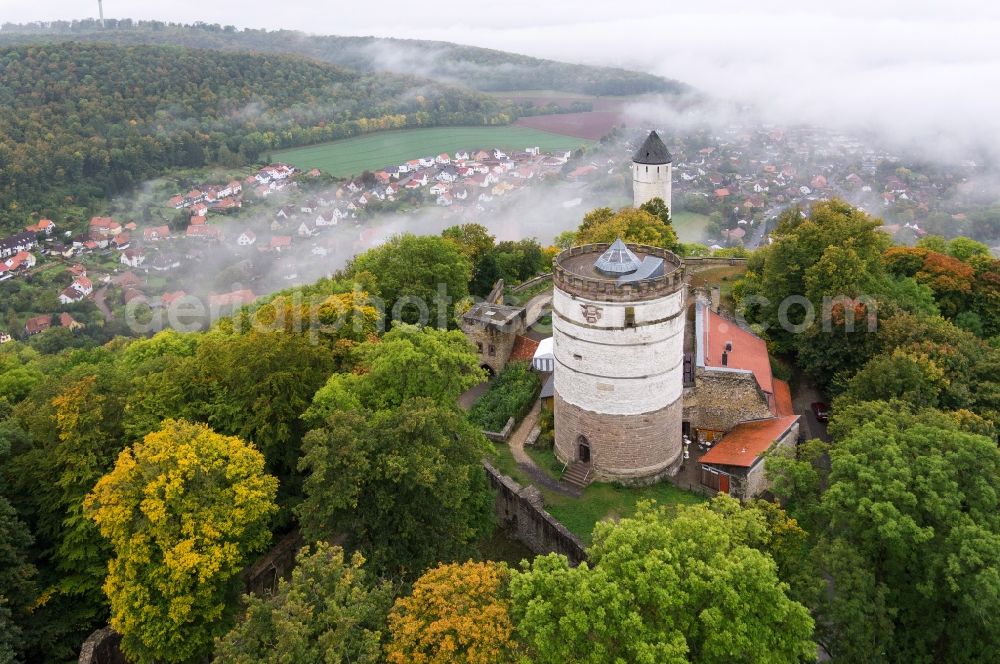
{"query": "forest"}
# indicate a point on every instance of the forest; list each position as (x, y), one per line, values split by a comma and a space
(469, 66)
(79, 122)
(148, 472)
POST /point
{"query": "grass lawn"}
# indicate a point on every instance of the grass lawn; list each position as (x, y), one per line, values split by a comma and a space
(725, 276)
(600, 501)
(690, 226)
(352, 156)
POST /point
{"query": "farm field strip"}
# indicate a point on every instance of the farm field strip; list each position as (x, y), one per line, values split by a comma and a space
(352, 156)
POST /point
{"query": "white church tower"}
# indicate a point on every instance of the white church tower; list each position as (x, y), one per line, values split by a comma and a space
(652, 172)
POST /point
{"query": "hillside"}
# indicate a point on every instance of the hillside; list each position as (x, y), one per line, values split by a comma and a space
(81, 121)
(478, 68)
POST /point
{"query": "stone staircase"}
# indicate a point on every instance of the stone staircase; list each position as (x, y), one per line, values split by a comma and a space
(577, 474)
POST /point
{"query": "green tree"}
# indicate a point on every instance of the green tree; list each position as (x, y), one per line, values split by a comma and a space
(407, 362)
(406, 484)
(687, 586)
(430, 272)
(908, 528)
(329, 612)
(833, 259)
(184, 510)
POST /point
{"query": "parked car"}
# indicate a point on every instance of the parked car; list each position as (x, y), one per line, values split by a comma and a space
(821, 411)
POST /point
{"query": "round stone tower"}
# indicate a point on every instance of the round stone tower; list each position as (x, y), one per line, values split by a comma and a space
(618, 331)
(652, 172)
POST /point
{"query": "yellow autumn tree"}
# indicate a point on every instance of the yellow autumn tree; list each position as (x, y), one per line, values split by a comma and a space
(456, 613)
(639, 226)
(184, 509)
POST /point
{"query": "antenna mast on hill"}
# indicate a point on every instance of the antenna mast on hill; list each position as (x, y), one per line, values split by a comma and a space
(100, 11)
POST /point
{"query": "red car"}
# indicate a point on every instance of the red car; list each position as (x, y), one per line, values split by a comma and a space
(821, 411)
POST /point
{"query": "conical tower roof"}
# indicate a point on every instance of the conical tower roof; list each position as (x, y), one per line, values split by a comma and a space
(617, 260)
(652, 151)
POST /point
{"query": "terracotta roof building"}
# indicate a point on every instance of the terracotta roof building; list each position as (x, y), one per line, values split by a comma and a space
(735, 465)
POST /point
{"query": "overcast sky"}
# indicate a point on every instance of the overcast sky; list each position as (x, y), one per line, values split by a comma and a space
(924, 73)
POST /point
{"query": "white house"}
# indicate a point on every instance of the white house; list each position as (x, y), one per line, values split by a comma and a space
(246, 238)
(329, 218)
(133, 257)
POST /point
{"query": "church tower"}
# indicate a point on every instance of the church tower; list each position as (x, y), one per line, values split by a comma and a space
(652, 172)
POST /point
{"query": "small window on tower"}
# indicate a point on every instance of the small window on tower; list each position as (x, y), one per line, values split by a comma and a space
(647, 169)
(493, 350)
(629, 316)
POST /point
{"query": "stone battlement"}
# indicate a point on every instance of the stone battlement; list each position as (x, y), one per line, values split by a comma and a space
(573, 272)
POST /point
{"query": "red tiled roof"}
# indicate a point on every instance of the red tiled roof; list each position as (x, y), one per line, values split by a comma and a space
(524, 349)
(744, 444)
(168, 298)
(38, 324)
(782, 399)
(236, 298)
(749, 351)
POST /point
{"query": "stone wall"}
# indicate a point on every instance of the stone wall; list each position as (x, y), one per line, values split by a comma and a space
(502, 435)
(485, 336)
(723, 399)
(531, 282)
(521, 511)
(633, 449)
(101, 647)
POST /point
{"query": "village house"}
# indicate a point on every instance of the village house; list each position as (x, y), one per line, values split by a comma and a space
(5, 338)
(246, 238)
(279, 242)
(38, 324)
(204, 232)
(67, 321)
(133, 257)
(156, 233)
(43, 226)
(14, 244)
(230, 300)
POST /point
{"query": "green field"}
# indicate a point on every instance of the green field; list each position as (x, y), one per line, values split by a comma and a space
(690, 226)
(352, 156)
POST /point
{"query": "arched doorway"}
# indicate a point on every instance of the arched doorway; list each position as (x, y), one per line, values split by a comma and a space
(489, 370)
(582, 449)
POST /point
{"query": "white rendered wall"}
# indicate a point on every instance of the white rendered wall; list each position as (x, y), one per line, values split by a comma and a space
(604, 367)
(651, 181)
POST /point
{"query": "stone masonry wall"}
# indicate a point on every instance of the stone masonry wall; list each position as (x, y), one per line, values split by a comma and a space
(633, 449)
(520, 510)
(723, 399)
(485, 335)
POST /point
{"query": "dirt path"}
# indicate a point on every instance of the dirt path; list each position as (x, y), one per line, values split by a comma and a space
(526, 463)
(536, 306)
(99, 300)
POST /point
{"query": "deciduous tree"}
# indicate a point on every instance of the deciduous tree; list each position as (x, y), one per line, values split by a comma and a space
(183, 509)
(329, 612)
(405, 484)
(455, 614)
(661, 587)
